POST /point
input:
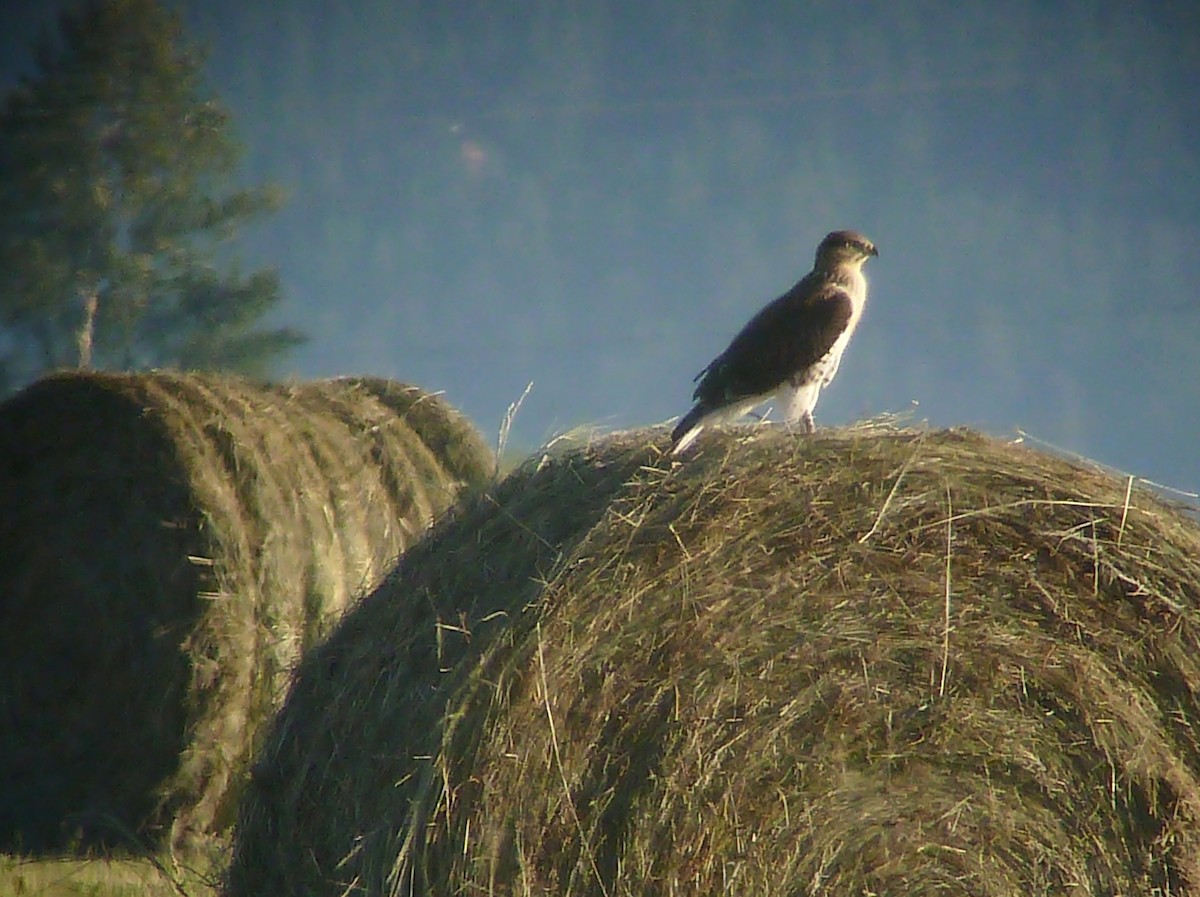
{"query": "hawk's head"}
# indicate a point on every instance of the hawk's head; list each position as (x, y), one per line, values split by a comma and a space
(844, 247)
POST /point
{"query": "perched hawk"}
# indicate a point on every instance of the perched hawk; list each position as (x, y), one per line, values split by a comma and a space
(791, 348)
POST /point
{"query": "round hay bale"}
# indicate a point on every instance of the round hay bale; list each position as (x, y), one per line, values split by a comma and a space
(868, 662)
(169, 545)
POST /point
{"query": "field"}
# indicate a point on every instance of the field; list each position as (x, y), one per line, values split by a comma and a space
(877, 660)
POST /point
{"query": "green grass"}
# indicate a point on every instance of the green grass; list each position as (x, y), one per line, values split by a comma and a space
(101, 877)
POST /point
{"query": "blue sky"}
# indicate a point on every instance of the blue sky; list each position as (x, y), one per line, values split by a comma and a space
(594, 197)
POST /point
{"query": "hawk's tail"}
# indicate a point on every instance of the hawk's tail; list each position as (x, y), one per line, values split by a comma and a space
(688, 429)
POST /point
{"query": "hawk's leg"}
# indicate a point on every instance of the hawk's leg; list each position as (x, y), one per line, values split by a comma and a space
(799, 402)
(803, 424)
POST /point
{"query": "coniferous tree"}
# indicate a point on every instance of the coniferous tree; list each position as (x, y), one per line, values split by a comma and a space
(118, 204)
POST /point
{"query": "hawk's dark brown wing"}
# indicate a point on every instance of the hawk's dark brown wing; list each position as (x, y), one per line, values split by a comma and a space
(788, 336)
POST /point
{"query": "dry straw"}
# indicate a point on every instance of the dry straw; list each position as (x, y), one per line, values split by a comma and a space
(867, 662)
(169, 545)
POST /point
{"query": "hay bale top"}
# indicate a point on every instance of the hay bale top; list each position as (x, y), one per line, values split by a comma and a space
(871, 661)
(445, 432)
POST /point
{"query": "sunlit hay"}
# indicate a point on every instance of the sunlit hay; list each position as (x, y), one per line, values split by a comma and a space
(866, 662)
(451, 438)
(170, 545)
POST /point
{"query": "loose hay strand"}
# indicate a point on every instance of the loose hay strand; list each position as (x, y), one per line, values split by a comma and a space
(946, 618)
(506, 423)
(584, 842)
(887, 502)
(1124, 511)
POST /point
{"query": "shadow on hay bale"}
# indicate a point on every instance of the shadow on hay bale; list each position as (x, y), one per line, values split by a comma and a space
(868, 662)
(170, 544)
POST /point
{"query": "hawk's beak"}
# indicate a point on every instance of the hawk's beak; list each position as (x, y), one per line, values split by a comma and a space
(874, 252)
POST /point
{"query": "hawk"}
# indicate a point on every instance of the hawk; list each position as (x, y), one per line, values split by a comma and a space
(791, 348)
